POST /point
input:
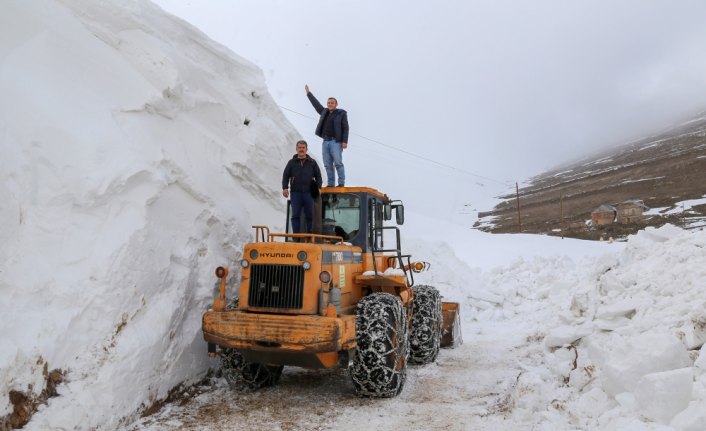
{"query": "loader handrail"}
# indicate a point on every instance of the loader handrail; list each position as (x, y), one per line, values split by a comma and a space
(396, 250)
(406, 268)
(262, 234)
(307, 237)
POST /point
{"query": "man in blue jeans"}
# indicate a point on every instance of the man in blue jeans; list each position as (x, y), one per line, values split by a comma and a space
(297, 175)
(333, 129)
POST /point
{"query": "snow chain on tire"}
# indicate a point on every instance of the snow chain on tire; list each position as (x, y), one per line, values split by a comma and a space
(380, 360)
(240, 373)
(425, 335)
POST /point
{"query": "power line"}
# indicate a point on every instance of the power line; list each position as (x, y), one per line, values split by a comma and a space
(426, 159)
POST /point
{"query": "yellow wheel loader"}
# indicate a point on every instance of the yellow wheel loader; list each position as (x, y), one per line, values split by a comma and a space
(342, 296)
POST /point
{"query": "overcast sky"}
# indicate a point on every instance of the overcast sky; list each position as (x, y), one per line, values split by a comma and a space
(491, 91)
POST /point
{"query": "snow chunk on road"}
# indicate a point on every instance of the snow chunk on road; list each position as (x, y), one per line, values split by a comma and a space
(562, 335)
(624, 308)
(692, 418)
(625, 361)
(662, 395)
(701, 360)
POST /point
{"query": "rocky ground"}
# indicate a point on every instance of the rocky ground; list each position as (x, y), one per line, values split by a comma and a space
(661, 171)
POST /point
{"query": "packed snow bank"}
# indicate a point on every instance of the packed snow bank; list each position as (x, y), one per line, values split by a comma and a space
(620, 327)
(134, 152)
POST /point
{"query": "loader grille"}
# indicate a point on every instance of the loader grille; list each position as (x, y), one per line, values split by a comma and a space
(276, 286)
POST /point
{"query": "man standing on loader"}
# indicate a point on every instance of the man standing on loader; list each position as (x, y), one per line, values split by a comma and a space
(298, 175)
(333, 129)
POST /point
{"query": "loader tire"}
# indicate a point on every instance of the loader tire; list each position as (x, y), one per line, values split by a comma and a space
(425, 335)
(379, 365)
(241, 374)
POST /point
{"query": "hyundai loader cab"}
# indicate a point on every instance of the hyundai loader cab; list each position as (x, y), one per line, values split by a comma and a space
(341, 296)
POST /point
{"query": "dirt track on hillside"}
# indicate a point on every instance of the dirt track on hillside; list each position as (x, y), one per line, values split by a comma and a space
(660, 171)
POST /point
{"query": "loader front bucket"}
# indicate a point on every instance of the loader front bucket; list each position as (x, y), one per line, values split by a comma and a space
(451, 329)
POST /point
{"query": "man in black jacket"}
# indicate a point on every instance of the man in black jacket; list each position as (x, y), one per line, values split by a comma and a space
(298, 175)
(333, 129)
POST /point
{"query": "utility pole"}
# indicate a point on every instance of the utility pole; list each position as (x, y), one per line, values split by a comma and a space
(519, 217)
(561, 205)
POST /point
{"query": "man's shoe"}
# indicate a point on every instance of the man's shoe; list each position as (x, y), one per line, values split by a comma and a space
(341, 185)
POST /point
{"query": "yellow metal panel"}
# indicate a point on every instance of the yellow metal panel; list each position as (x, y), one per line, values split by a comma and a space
(382, 280)
(312, 333)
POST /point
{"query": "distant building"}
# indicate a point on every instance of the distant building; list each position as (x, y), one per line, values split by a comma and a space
(604, 214)
(631, 211)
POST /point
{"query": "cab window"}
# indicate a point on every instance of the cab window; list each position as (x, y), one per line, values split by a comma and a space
(341, 215)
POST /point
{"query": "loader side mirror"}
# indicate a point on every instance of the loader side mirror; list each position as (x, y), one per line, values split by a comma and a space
(387, 211)
(399, 214)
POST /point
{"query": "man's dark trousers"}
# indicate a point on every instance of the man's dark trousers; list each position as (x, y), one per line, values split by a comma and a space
(302, 200)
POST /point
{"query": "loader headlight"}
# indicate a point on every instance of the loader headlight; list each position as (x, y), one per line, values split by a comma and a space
(254, 254)
(325, 276)
(306, 265)
(244, 263)
(301, 256)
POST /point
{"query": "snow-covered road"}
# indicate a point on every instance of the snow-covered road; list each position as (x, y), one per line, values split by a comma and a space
(469, 387)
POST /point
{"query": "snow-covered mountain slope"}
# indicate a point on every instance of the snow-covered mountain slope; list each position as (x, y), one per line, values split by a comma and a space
(664, 171)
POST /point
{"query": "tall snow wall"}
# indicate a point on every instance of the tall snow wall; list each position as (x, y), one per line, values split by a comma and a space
(135, 155)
